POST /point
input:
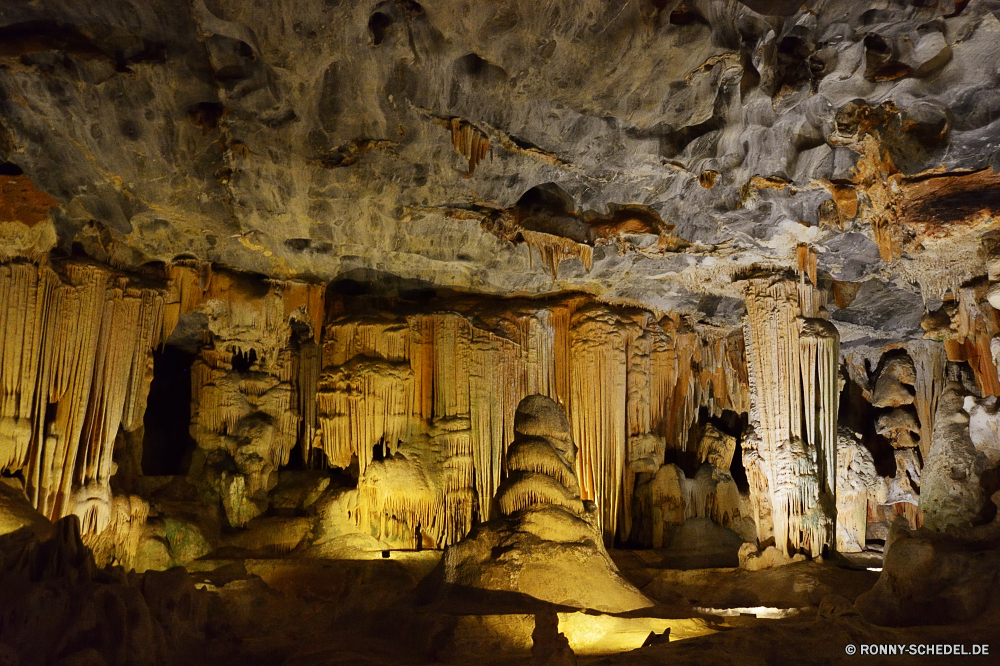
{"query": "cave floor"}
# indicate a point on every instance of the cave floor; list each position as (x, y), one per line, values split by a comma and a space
(306, 612)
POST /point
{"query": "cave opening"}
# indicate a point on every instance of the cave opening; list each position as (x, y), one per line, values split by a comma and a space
(858, 415)
(10, 169)
(243, 361)
(739, 422)
(167, 442)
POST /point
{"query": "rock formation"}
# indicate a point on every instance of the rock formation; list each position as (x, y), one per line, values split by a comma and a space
(858, 487)
(794, 357)
(325, 292)
(932, 578)
(546, 541)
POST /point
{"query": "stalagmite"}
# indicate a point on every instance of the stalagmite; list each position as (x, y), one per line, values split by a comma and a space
(256, 391)
(797, 508)
(546, 543)
(929, 363)
(667, 490)
(951, 493)
(246, 418)
(760, 491)
(476, 368)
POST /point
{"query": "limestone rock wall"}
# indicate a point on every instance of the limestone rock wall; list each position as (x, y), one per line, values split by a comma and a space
(246, 413)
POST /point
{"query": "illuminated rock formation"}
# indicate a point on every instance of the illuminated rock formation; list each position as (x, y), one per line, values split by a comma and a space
(546, 543)
(75, 370)
(951, 493)
(794, 358)
(858, 486)
(433, 386)
(245, 409)
(751, 251)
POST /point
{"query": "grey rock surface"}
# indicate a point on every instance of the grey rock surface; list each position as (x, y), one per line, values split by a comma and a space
(311, 139)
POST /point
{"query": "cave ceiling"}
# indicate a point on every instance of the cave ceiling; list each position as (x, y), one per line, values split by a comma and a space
(663, 149)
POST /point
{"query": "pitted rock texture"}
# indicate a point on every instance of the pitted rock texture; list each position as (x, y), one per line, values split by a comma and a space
(325, 139)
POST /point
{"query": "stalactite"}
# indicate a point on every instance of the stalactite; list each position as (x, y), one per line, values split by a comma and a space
(251, 415)
(429, 491)
(819, 346)
(385, 338)
(553, 250)
(310, 366)
(799, 517)
(598, 413)
(808, 259)
(477, 367)
(238, 311)
(74, 368)
(712, 494)
(977, 323)
(470, 142)
(496, 370)
(361, 404)
(794, 359)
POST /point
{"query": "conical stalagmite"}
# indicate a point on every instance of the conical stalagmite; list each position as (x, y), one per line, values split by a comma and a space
(546, 543)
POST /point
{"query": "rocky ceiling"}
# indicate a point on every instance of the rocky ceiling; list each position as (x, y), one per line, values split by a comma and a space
(645, 151)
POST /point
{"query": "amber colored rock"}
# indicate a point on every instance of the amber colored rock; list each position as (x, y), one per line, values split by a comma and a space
(546, 544)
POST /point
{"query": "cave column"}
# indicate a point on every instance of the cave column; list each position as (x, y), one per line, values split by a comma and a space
(793, 357)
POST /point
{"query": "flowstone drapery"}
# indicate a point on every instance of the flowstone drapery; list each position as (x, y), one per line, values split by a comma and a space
(794, 357)
(75, 366)
(390, 383)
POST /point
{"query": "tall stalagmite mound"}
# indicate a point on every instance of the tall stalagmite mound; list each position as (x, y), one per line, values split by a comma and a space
(544, 542)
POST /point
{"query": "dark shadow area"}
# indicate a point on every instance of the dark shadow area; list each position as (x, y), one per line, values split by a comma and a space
(858, 415)
(10, 169)
(167, 443)
(378, 25)
(736, 466)
(243, 361)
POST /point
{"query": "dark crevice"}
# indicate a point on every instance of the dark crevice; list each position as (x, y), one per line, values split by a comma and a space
(167, 442)
(10, 169)
(379, 25)
(243, 361)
